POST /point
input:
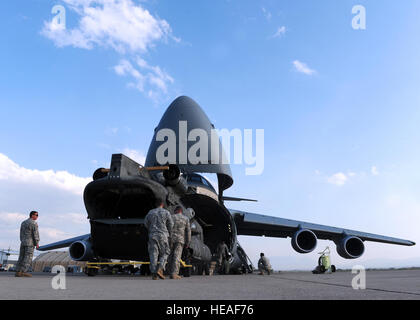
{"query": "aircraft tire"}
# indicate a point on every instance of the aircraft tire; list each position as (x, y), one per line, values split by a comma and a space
(91, 272)
(144, 269)
(200, 269)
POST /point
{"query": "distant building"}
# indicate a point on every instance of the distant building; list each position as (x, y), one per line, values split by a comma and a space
(10, 265)
(4, 257)
(53, 258)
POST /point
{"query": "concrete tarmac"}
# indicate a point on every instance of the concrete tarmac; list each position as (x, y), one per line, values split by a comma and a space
(392, 284)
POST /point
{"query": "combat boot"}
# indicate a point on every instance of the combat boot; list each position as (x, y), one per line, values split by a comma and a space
(18, 274)
(175, 276)
(160, 274)
(25, 274)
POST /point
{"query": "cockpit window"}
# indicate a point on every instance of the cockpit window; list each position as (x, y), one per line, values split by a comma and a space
(195, 178)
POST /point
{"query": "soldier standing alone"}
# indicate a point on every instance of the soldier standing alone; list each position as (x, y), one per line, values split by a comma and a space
(159, 223)
(264, 264)
(29, 238)
(180, 236)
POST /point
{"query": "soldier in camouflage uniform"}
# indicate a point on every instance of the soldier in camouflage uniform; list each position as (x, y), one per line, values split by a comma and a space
(29, 237)
(222, 254)
(264, 265)
(180, 236)
(159, 223)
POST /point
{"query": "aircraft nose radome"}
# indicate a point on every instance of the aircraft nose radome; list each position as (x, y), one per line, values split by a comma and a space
(183, 101)
(184, 108)
(185, 112)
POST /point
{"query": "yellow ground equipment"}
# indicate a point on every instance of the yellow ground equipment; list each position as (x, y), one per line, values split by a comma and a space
(92, 268)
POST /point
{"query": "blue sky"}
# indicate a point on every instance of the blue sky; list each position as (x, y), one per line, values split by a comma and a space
(341, 142)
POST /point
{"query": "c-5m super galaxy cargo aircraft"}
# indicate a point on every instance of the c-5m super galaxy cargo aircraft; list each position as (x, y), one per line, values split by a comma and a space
(118, 199)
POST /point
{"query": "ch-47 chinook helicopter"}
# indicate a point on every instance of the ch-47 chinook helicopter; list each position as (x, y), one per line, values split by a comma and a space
(118, 199)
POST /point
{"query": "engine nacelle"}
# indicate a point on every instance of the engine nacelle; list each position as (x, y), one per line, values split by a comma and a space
(304, 241)
(81, 250)
(350, 247)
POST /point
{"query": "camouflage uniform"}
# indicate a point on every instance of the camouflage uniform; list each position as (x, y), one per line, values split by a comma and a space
(29, 237)
(159, 224)
(264, 265)
(222, 253)
(181, 234)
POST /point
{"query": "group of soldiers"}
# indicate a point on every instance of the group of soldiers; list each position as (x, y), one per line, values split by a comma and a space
(168, 233)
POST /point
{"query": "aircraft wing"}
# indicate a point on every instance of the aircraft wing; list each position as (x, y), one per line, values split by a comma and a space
(63, 243)
(251, 224)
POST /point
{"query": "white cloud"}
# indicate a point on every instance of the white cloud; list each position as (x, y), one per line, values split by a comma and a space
(374, 171)
(12, 218)
(12, 172)
(123, 26)
(119, 24)
(125, 68)
(56, 195)
(52, 234)
(266, 13)
(112, 131)
(303, 68)
(75, 218)
(50, 227)
(155, 72)
(137, 156)
(280, 31)
(338, 179)
(153, 77)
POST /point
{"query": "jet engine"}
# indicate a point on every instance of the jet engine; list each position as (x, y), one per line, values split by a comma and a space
(304, 241)
(350, 247)
(81, 250)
